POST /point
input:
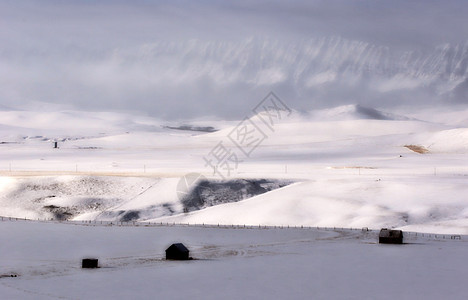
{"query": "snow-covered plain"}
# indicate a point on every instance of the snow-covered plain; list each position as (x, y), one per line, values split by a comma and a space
(229, 263)
(349, 167)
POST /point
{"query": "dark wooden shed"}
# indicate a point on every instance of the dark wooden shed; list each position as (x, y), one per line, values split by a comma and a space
(389, 236)
(177, 252)
(89, 263)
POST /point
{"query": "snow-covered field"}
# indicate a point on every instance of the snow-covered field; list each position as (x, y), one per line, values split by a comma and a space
(347, 167)
(229, 263)
(350, 166)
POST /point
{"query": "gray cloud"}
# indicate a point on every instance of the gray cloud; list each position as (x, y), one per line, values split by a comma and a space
(179, 59)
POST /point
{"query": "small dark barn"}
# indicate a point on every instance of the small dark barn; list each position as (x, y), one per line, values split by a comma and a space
(177, 252)
(388, 236)
(89, 263)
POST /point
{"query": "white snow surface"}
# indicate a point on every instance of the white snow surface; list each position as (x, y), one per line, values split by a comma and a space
(349, 165)
(229, 263)
(349, 168)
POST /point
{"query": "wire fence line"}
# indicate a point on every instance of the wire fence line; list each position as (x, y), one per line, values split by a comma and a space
(148, 168)
(407, 234)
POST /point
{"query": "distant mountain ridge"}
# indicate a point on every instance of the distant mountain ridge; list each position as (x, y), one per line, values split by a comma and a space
(355, 112)
(311, 63)
(197, 78)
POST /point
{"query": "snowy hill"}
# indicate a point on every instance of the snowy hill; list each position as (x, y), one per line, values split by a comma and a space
(121, 199)
(354, 112)
(354, 202)
(352, 166)
(454, 140)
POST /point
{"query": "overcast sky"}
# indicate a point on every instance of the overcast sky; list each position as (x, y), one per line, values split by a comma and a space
(172, 58)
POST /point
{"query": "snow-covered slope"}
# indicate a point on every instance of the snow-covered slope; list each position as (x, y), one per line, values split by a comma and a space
(353, 166)
(354, 112)
(341, 123)
(124, 199)
(454, 140)
(353, 202)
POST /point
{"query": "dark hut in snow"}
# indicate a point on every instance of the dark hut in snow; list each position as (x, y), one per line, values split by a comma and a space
(177, 252)
(89, 263)
(388, 236)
